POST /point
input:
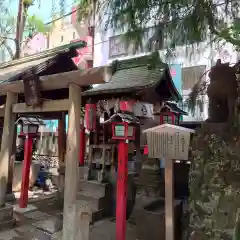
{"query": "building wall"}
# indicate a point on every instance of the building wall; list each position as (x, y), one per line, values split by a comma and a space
(64, 31)
(110, 46)
(38, 43)
(64, 34)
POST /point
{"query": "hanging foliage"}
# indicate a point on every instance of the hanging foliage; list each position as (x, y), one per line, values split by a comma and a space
(176, 22)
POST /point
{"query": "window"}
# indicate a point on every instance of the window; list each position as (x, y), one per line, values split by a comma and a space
(61, 38)
(167, 119)
(74, 35)
(176, 121)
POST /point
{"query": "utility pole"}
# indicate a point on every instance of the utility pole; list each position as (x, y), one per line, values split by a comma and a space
(19, 30)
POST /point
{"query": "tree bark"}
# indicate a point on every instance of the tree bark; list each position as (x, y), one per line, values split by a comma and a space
(19, 29)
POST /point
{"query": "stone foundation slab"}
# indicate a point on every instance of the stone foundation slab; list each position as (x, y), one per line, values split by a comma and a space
(6, 217)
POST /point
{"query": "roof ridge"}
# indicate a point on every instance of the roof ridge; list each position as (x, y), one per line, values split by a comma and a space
(145, 60)
(44, 54)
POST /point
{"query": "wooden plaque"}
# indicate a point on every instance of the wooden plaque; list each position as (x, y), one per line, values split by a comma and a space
(32, 89)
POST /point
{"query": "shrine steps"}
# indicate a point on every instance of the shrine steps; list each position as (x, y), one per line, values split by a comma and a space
(95, 197)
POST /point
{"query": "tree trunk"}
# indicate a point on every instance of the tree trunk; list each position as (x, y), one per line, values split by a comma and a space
(237, 107)
(19, 30)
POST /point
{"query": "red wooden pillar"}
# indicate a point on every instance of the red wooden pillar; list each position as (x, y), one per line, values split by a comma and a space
(122, 190)
(25, 171)
(82, 145)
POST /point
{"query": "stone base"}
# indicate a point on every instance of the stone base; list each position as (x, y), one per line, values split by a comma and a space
(155, 190)
(47, 229)
(150, 222)
(10, 197)
(6, 217)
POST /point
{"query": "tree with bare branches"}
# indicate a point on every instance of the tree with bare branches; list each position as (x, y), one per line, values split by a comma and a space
(12, 29)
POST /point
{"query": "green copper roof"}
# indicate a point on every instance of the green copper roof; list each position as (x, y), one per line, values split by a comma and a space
(136, 74)
(129, 79)
(10, 71)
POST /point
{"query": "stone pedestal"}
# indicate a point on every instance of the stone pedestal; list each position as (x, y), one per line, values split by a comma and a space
(151, 180)
(153, 190)
(150, 222)
(6, 217)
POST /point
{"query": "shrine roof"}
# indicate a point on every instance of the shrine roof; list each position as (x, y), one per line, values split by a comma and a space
(123, 117)
(13, 70)
(174, 108)
(137, 74)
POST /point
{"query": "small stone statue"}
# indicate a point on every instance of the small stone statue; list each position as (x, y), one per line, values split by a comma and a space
(222, 93)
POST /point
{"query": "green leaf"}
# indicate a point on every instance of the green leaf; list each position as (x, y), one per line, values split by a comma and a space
(35, 24)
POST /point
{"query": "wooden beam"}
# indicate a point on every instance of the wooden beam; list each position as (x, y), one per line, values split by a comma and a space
(61, 139)
(61, 152)
(2, 112)
(85, 77)
(70, 224)
(47, 106)
(7, 143)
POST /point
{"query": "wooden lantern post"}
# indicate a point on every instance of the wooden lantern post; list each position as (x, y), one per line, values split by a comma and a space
(26, 170)
(30, 131)
(123, 132)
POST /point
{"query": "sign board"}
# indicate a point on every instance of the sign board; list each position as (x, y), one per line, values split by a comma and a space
(119, 47)
(143, 109)
(168, 141)
(32, 89)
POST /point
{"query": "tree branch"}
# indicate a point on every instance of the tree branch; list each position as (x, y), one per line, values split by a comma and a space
(218, 33)
(9, 49)
(227, 38)
(7, 38)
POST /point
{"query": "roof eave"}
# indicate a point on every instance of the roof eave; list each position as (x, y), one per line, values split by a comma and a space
(48, 53)
(118, 90)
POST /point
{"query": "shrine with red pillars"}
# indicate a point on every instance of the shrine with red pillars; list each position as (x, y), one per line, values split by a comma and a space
(116, 113)
(103, 158)
(44, 86)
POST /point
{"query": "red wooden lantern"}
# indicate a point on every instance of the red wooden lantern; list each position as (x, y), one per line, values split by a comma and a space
(145, 150)
(91, 116)
(123, 131)
(170, 118)
(126, 106)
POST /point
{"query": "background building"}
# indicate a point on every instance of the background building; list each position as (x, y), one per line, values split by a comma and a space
(187, 64)
(64, 32)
